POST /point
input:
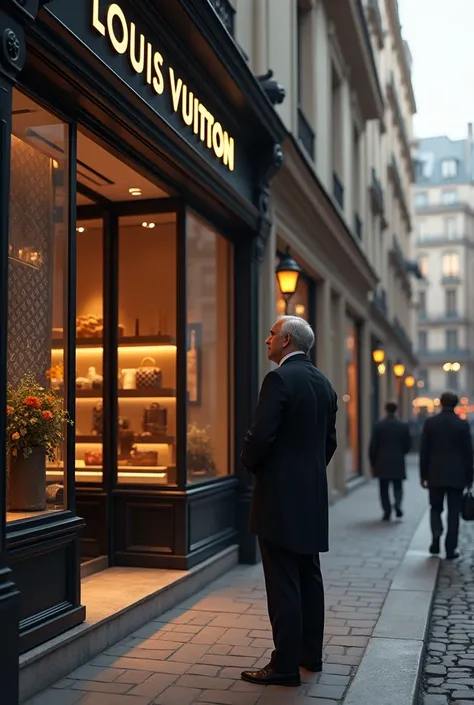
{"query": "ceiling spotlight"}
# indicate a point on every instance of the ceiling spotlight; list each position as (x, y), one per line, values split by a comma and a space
(144, 225)
(80, 230)
(148, 225)
(135, 191)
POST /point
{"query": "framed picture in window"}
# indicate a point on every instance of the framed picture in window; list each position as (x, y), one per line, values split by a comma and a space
(194, 364)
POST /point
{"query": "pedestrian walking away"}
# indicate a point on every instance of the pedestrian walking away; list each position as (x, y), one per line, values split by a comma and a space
(291, 440)
(390, 443)
(446, 469)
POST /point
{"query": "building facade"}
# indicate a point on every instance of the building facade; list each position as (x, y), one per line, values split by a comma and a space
(341, 202)
(137, 148)
(444, 207)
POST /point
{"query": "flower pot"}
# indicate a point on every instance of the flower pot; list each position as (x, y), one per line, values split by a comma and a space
(27, 482)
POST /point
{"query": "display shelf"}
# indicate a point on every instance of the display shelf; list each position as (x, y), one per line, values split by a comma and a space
(156, 439)
(125, 341)
(127, 393)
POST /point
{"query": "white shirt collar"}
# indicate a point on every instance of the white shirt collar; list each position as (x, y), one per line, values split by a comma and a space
(297, 352)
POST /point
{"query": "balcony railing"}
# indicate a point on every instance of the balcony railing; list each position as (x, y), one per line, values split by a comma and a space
(379, 301)
(443, 239)
(306, 134)
(338, 190)
(375, 20)
(226, 12)
(394, 174)
(451, 279)
(441, 318)
(358, 227)
(445, 354)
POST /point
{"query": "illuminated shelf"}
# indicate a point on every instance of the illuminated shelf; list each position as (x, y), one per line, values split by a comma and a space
(125, 341)
(156, 439)
(126, 393)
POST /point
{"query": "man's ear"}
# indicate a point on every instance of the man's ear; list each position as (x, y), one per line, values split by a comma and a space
(286, 341)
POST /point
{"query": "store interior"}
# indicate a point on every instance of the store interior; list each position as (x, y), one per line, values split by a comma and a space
(146, 307)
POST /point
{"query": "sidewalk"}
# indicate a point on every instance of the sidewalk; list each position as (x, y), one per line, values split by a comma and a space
(448, 675)
(195, 653)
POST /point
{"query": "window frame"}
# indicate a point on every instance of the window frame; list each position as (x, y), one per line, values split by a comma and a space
(449, 168)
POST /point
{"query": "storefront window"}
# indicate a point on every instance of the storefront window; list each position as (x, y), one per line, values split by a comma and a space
(37, 310)
(209, 354)
(351, 398)
(147, 349)
(89, 351)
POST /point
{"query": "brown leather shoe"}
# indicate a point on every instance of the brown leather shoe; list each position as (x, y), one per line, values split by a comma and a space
(268, 676)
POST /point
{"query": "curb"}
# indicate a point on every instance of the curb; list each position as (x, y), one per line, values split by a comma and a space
(393, 661)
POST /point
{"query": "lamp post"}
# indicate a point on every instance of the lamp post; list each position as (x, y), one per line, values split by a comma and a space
(287, 273)
(399, 371)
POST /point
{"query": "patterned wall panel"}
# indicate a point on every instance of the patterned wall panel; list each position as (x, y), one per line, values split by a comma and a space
(30, 297)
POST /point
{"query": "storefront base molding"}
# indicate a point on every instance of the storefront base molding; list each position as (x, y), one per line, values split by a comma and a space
(118, 601)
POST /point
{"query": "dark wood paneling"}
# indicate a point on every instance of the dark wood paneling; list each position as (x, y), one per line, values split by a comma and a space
(149, 527)
(91, 506)
(211, 518)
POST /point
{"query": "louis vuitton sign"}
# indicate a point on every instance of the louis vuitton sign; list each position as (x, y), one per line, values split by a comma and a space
(146, 60)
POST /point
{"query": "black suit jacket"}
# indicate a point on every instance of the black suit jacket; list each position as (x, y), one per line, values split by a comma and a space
(446, 456)
(288, 446)
(389, 444)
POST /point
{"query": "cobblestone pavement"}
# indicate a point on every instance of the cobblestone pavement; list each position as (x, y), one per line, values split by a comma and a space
(195, 653)
(449, 665)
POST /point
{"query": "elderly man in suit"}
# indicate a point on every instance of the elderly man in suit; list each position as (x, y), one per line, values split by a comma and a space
(446, 469)
(390, 443)
(289, 444)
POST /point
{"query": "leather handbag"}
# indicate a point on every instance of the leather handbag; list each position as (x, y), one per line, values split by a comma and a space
(148, 375)
(154, 419)
(467, 511)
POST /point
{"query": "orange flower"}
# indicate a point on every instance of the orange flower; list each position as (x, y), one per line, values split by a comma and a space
(9, 410)
(15, 436)
(47, 415)
(34, 402)
(50, 400)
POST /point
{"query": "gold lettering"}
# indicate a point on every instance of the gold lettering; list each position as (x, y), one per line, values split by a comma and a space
(149, 59)
(196, 116)
(158, 81)
(176, 87)
(210, 122)
(96, 23)
(138, 64)
(114, 11)
(203, 114)
(187, 103)
(228, 151)
(218, 140)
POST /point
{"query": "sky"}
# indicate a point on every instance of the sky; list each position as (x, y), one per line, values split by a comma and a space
(440, 36)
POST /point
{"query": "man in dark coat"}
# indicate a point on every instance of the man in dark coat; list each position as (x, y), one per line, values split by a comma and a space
(389, 445)
(288, 446)
(446, 469)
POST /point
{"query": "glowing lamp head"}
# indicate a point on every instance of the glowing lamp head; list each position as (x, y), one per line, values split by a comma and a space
(410, 381)
(399, 369)
(378, 356)
(287, 273)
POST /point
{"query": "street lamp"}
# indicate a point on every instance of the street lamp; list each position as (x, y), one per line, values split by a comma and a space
(287, 273)
(409, 381)
(378, 356)
(399, 370)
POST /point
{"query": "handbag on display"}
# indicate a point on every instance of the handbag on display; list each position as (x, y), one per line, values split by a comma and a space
(140, 458)
(467, 511)
(155, 419)
(93, 457)
(148, 376)
(97, 418)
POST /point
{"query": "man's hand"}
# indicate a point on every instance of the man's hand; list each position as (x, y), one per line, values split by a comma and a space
(424, 484)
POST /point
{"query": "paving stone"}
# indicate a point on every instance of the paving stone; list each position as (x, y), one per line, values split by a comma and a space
(176, 695)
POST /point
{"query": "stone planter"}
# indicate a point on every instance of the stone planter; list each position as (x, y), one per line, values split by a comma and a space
(27, 482)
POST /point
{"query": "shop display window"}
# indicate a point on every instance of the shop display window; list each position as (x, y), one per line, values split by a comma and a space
(351, 398)
(209, 353)
(37, 311)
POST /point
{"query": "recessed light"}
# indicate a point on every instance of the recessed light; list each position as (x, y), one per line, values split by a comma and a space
(80, 230)
(144, 225)
(148, 225)
(135, 191)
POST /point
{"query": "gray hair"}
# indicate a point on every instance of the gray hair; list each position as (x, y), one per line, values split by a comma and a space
(301, 332)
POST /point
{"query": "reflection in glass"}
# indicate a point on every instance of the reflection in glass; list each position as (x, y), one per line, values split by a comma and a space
(209, 353)
(147, 349)
(351, 397)
(37, 296)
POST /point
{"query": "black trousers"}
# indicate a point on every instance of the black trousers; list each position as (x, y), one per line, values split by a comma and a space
(385, 497)
(295, 599)
(454, 501)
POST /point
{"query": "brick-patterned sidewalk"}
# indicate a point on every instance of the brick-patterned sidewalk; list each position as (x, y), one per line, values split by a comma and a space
(195, 653)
